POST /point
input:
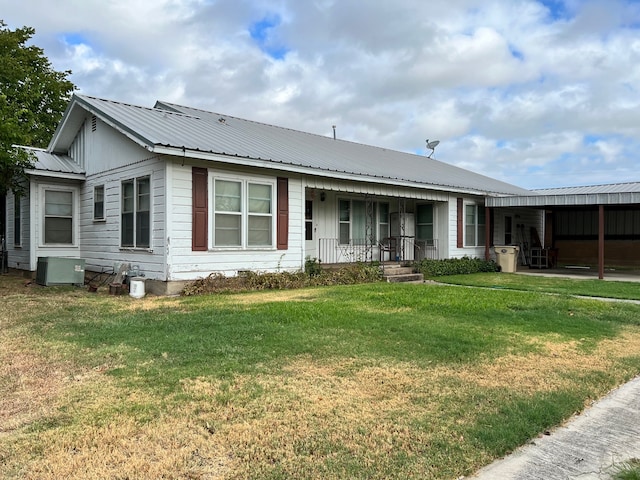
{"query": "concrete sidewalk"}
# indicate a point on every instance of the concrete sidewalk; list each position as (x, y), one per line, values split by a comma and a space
(589, 447)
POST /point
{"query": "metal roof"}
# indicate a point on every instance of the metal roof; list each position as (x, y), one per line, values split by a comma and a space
(54, 165)
(630, 187)
(610, 194)
(179, 130)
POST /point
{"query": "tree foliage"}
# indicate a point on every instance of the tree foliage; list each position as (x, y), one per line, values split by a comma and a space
(33, 97)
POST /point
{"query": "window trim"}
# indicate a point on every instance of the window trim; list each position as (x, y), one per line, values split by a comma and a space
(135, 212)
(42, 189)
(479, 235)
(95, 203)
(244, 213)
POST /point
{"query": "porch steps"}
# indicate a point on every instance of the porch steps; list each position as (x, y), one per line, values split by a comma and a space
(394, 273)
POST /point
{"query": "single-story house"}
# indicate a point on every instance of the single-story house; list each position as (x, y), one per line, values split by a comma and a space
(179, 193)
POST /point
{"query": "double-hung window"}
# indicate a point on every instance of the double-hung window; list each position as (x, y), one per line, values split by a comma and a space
(136, 213)
(98, 202)
(58, 217)
(474, 225)
(243, 213)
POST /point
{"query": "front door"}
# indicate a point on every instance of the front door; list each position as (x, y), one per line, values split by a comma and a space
(310, 244)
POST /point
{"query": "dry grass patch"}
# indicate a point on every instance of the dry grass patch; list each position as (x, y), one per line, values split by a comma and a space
(30, 382)
(164, 449)
(366, 416)
(296, 423)
(275, 296)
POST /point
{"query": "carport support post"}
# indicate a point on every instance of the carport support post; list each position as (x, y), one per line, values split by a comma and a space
(600, 242)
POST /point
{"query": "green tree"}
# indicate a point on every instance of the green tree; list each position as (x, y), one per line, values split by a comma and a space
(33, 97)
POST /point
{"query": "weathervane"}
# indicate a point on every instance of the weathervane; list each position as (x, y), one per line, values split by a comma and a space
(432, 146)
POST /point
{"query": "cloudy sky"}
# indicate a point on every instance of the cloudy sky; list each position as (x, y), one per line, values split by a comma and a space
(539, 93)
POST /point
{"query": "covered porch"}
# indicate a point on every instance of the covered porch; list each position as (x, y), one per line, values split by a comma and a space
(344, 226)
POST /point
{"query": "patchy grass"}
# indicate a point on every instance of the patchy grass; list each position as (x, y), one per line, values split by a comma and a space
(558, 285)
(368, 381)
(628, 471)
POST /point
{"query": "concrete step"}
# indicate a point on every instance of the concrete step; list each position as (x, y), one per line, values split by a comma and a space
(405, 277)
(397, 270)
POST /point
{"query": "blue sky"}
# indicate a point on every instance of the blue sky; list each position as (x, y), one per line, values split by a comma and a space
(539, 93)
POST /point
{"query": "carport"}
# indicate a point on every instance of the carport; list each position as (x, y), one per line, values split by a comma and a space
(586, 226)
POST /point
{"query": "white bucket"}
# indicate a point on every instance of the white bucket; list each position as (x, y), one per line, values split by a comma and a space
(136, 287)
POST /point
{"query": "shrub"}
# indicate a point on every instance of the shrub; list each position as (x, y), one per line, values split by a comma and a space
(455, 266)
(312, 267)
(313, 275)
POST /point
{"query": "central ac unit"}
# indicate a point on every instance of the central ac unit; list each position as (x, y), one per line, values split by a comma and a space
(60, 271)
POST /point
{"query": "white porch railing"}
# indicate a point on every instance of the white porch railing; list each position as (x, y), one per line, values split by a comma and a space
(403, 249)
(426, 249)
(332, 251)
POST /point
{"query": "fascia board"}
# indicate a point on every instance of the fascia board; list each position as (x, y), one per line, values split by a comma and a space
(60, 175)
(251, 162)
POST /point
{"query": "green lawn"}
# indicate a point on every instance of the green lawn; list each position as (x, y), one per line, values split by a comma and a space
(559, 285)
(367, 381)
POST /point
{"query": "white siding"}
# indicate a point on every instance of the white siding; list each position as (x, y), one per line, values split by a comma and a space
(529, 217)
(441, 229)
(454, 251)
(18, 255)
(36, 224)
(104, 149)
(100, 239)
(185, 264)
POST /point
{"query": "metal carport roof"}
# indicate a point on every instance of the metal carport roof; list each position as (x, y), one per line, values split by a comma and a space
(611, 194)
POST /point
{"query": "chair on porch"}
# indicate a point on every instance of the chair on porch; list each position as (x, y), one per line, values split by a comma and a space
(387, 244)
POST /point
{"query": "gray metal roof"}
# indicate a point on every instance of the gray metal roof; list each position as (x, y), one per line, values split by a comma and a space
(179, 130)
(630, 187)
(55, 165)
(610, 194)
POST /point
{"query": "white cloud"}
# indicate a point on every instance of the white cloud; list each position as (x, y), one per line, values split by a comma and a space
(511, 88)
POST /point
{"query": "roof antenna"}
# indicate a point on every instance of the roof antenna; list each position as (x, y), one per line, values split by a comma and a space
(334, 132)
(432, 146)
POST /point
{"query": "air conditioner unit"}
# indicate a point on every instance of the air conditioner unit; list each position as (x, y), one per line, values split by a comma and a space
(60, 271)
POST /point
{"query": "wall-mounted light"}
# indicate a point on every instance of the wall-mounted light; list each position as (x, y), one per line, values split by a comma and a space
(323, 196)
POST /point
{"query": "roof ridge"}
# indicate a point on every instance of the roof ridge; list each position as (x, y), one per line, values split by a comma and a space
(280, 127)
(132, 105)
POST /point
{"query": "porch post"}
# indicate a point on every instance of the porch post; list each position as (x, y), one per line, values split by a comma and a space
(600, 242)
(487, 233)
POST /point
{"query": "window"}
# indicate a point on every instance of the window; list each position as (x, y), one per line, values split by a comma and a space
(357, 224)
(308, 220)
(136, 213)
(260, 216)
(424, 222)
(383, 220)
(474, 224)
(508, 230)
(344, 223)
(17, 221)
(243, 213)
(58, 217)
(98, 202)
